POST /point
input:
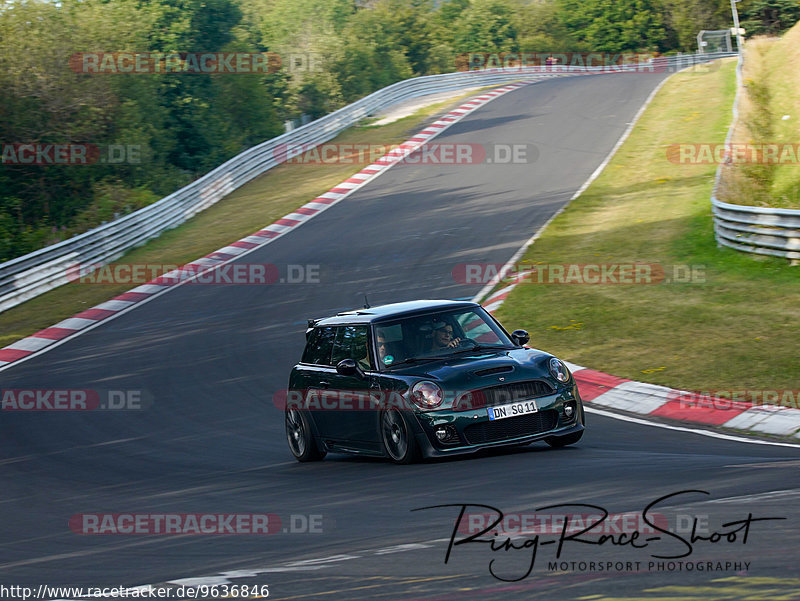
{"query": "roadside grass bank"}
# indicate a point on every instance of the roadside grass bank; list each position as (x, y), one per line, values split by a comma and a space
(257, 204)
(769, 116)
(734, 325)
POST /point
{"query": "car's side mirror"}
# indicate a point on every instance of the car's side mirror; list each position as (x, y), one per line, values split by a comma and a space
(348, 367)
(520, 337)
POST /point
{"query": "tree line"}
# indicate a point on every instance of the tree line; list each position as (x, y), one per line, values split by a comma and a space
(147, 133)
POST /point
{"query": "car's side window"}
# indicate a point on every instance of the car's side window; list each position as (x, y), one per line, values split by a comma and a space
(351, 343)
(319, 346)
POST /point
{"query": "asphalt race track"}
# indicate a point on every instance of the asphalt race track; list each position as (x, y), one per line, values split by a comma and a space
(210, 358)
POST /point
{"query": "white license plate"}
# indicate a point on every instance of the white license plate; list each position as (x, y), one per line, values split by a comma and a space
(512, 410)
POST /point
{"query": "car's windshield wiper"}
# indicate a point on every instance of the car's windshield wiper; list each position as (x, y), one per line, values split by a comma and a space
(479, 347)
(414, 360)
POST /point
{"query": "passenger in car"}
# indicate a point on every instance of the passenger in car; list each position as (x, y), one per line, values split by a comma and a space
(383, 347)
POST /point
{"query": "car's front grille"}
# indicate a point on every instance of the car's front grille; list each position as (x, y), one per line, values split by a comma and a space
(511, 427)
(502, 394)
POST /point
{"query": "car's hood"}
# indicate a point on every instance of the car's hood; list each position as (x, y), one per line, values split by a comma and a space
(469, 371)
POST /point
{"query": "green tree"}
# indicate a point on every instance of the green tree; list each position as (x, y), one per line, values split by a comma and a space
(485, 26)
(685, 18)
(769, 17)
(44, 101)
(539, 29)
(615, 25)
(181, 125)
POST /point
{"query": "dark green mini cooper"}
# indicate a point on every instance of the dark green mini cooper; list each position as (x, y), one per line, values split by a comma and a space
(425, 379)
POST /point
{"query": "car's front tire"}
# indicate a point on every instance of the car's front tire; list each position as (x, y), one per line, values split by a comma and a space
(298, 434)
(399, 442)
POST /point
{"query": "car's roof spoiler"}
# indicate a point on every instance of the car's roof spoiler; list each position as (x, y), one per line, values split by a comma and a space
(310, 328)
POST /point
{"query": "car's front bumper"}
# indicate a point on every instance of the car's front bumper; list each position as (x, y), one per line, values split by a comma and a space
(475, 431)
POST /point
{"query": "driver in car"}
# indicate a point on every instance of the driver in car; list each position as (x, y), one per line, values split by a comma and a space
(443, 336)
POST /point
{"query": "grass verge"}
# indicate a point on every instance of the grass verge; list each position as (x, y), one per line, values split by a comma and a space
(257, 204)
(734, 327)
(770, 117)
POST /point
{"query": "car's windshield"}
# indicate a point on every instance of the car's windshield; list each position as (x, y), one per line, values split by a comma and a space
(436, 335)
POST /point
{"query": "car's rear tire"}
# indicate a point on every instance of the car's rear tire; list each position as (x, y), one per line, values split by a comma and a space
(561, 441)
(399, 442)
(298, 434)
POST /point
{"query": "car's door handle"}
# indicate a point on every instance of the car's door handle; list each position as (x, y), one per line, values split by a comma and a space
(323, 384)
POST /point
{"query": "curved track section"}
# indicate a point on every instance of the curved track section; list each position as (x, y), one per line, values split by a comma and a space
(209, 358)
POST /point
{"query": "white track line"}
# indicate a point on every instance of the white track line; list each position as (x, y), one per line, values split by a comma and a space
(709, 433)
(504, 270)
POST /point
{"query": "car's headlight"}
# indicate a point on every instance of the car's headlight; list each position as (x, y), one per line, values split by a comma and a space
(559, 371)
(427, 395)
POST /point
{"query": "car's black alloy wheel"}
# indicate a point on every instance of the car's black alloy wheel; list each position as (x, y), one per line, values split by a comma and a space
(399, 442)
(298, 434)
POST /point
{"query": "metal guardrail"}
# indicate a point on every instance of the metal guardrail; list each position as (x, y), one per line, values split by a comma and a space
(33, 274)
(759, 230)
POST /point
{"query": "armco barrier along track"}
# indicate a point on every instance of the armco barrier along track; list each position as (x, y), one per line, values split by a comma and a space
(28, 276)
(760, 230)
